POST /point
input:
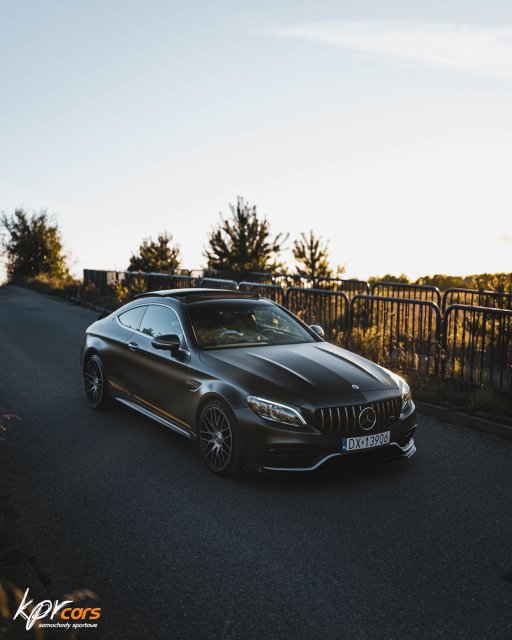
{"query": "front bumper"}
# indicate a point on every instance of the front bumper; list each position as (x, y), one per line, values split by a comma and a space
(273, 449)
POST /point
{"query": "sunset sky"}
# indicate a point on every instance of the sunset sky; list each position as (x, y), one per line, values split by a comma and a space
(385, 129)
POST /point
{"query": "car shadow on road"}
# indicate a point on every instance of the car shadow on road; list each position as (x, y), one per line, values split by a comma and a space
(340, 478)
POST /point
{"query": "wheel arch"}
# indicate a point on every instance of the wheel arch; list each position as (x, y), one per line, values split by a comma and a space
(209, 396)
(90, 351)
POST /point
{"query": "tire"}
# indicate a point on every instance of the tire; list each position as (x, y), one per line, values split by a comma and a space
(96, 384)
(218, 439)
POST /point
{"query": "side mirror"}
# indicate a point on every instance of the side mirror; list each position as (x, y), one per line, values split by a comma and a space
(318, 330)
(169, 342)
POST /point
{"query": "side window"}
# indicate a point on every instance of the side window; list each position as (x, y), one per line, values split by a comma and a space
(159, 321)
(131, 319)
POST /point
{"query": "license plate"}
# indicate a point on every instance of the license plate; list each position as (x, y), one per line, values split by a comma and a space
(365, 442)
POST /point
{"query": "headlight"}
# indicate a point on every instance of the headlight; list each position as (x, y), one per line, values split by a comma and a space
(275, 411)
(405, 390)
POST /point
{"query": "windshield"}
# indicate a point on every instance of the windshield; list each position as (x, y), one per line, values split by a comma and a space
(238, 323)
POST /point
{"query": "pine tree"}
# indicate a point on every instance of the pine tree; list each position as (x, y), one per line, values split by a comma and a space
(312, 257)
(158, 256)
(243, 243)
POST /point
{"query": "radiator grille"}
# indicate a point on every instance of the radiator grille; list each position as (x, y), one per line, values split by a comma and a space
(345, 419)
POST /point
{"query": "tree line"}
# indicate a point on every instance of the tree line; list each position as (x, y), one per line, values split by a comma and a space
(240, 244)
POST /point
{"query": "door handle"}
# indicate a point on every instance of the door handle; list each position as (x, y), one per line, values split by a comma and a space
(133, 346)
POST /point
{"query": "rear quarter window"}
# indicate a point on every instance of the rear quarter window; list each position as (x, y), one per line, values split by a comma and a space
(131, 319)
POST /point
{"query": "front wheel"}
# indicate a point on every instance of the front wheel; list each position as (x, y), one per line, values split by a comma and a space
(218, 439)
(96, 384)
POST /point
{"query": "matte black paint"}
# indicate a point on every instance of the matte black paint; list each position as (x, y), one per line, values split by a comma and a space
(305, 375)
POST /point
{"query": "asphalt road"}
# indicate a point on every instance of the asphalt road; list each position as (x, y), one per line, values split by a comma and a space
(118, 504)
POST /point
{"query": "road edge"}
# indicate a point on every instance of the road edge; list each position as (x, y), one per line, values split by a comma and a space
(88, 305)
(472, 422)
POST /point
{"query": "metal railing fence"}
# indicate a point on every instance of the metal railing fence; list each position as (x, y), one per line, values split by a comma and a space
(477, 298)
(271, 291)
(477, 346)
(401, 332)
(327, 308)
(406, 290)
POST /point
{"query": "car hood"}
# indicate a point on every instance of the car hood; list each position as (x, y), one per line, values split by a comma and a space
(300, 373)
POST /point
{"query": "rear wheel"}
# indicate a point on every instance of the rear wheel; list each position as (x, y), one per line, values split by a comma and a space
(218, 439)
(96, 384)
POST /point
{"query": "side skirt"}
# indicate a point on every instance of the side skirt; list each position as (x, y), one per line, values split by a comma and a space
(154, 416)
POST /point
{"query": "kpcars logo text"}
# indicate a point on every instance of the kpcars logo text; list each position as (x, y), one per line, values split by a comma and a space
(69, 616)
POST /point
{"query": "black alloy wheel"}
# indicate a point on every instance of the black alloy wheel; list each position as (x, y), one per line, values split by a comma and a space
(218, 439)
(96, 384)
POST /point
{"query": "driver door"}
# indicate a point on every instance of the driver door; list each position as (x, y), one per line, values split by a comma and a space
(159, 378)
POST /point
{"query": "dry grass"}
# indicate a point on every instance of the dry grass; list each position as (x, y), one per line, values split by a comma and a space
(476, 401)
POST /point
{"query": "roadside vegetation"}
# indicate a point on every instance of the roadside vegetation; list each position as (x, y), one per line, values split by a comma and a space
(239, 244)
(33, 246)
(477, 401)
(498, 282)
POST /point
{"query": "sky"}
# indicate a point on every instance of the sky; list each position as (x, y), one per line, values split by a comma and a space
(386, 128)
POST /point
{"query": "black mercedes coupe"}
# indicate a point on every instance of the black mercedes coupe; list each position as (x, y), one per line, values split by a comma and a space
(256, 387)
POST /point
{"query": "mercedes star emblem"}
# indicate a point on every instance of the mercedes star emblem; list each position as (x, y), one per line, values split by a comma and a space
(367, 418)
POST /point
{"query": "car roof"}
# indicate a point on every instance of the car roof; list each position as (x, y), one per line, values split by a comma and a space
(199, 294)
